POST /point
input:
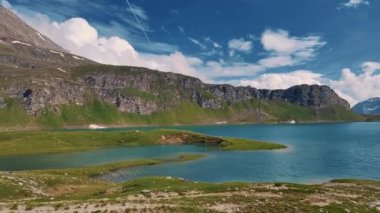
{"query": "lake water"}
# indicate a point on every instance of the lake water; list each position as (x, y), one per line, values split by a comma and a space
(316, 153)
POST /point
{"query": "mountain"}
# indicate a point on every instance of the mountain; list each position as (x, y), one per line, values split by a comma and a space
(23, 47)
(43, 85)
(368, 107)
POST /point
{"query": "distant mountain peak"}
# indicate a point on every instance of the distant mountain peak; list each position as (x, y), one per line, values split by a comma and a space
(368, 107)
(374, 99)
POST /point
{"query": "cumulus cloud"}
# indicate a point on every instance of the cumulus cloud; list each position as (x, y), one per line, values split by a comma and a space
(5, 4)
(240, 45)
(354, 3)
(359, 87)
(80, 37)
(350, 86)
(299, 49)
(284, 80)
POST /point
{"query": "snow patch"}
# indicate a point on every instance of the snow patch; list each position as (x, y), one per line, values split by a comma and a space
(373, 109)
(55, 52)
(220, 123)
(19, 42)
(39, 34)
(77, 58)
(94, 126)
(62, 70)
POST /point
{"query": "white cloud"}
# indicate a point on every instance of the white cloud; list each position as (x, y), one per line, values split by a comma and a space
(276, 61)
(138, 11)
(5, 4)
(208, 46)
(216, 45)
(359, 87)
(370, 67)
(79, 37)
(198, 43)
(352, 87)
(284, 80)
(220, 69)
(280, 43)
(354, 3)
(181, 29)
(240, 45)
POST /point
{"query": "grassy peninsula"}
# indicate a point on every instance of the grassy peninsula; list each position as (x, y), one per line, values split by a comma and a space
(38, 142)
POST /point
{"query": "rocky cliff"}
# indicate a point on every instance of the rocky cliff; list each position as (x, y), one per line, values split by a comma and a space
(143, 91)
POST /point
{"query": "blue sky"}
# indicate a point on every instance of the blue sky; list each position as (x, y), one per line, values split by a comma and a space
(261, 43)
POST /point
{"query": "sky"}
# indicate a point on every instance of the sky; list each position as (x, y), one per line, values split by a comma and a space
(272, 44)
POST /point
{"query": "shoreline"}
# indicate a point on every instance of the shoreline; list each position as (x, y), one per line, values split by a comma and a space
(107, 127)
(83, 193)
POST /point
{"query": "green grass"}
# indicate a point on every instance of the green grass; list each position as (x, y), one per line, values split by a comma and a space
(241, 144)
(10, 191)
(157, 184)
(13, 115)
(34, 142)
(82, 186)
(95, 171)
(101, 113)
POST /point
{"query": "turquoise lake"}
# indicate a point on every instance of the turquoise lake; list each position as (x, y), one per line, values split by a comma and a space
(316, 153)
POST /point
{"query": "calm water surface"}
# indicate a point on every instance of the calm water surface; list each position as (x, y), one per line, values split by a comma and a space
(316, 153)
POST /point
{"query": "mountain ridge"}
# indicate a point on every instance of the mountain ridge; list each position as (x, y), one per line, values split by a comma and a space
(368, 107)
(40, 82)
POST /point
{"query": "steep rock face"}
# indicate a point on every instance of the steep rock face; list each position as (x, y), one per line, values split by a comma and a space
(368, 107)
(143, 91)
(306, 95)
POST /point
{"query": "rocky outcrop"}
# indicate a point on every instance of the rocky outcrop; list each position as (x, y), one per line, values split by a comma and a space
(306, 95)
(143, 91)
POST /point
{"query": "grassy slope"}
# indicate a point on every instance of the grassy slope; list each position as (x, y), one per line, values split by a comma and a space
(76, 189)
(11, 191)
(97, 112)
(13, 143)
